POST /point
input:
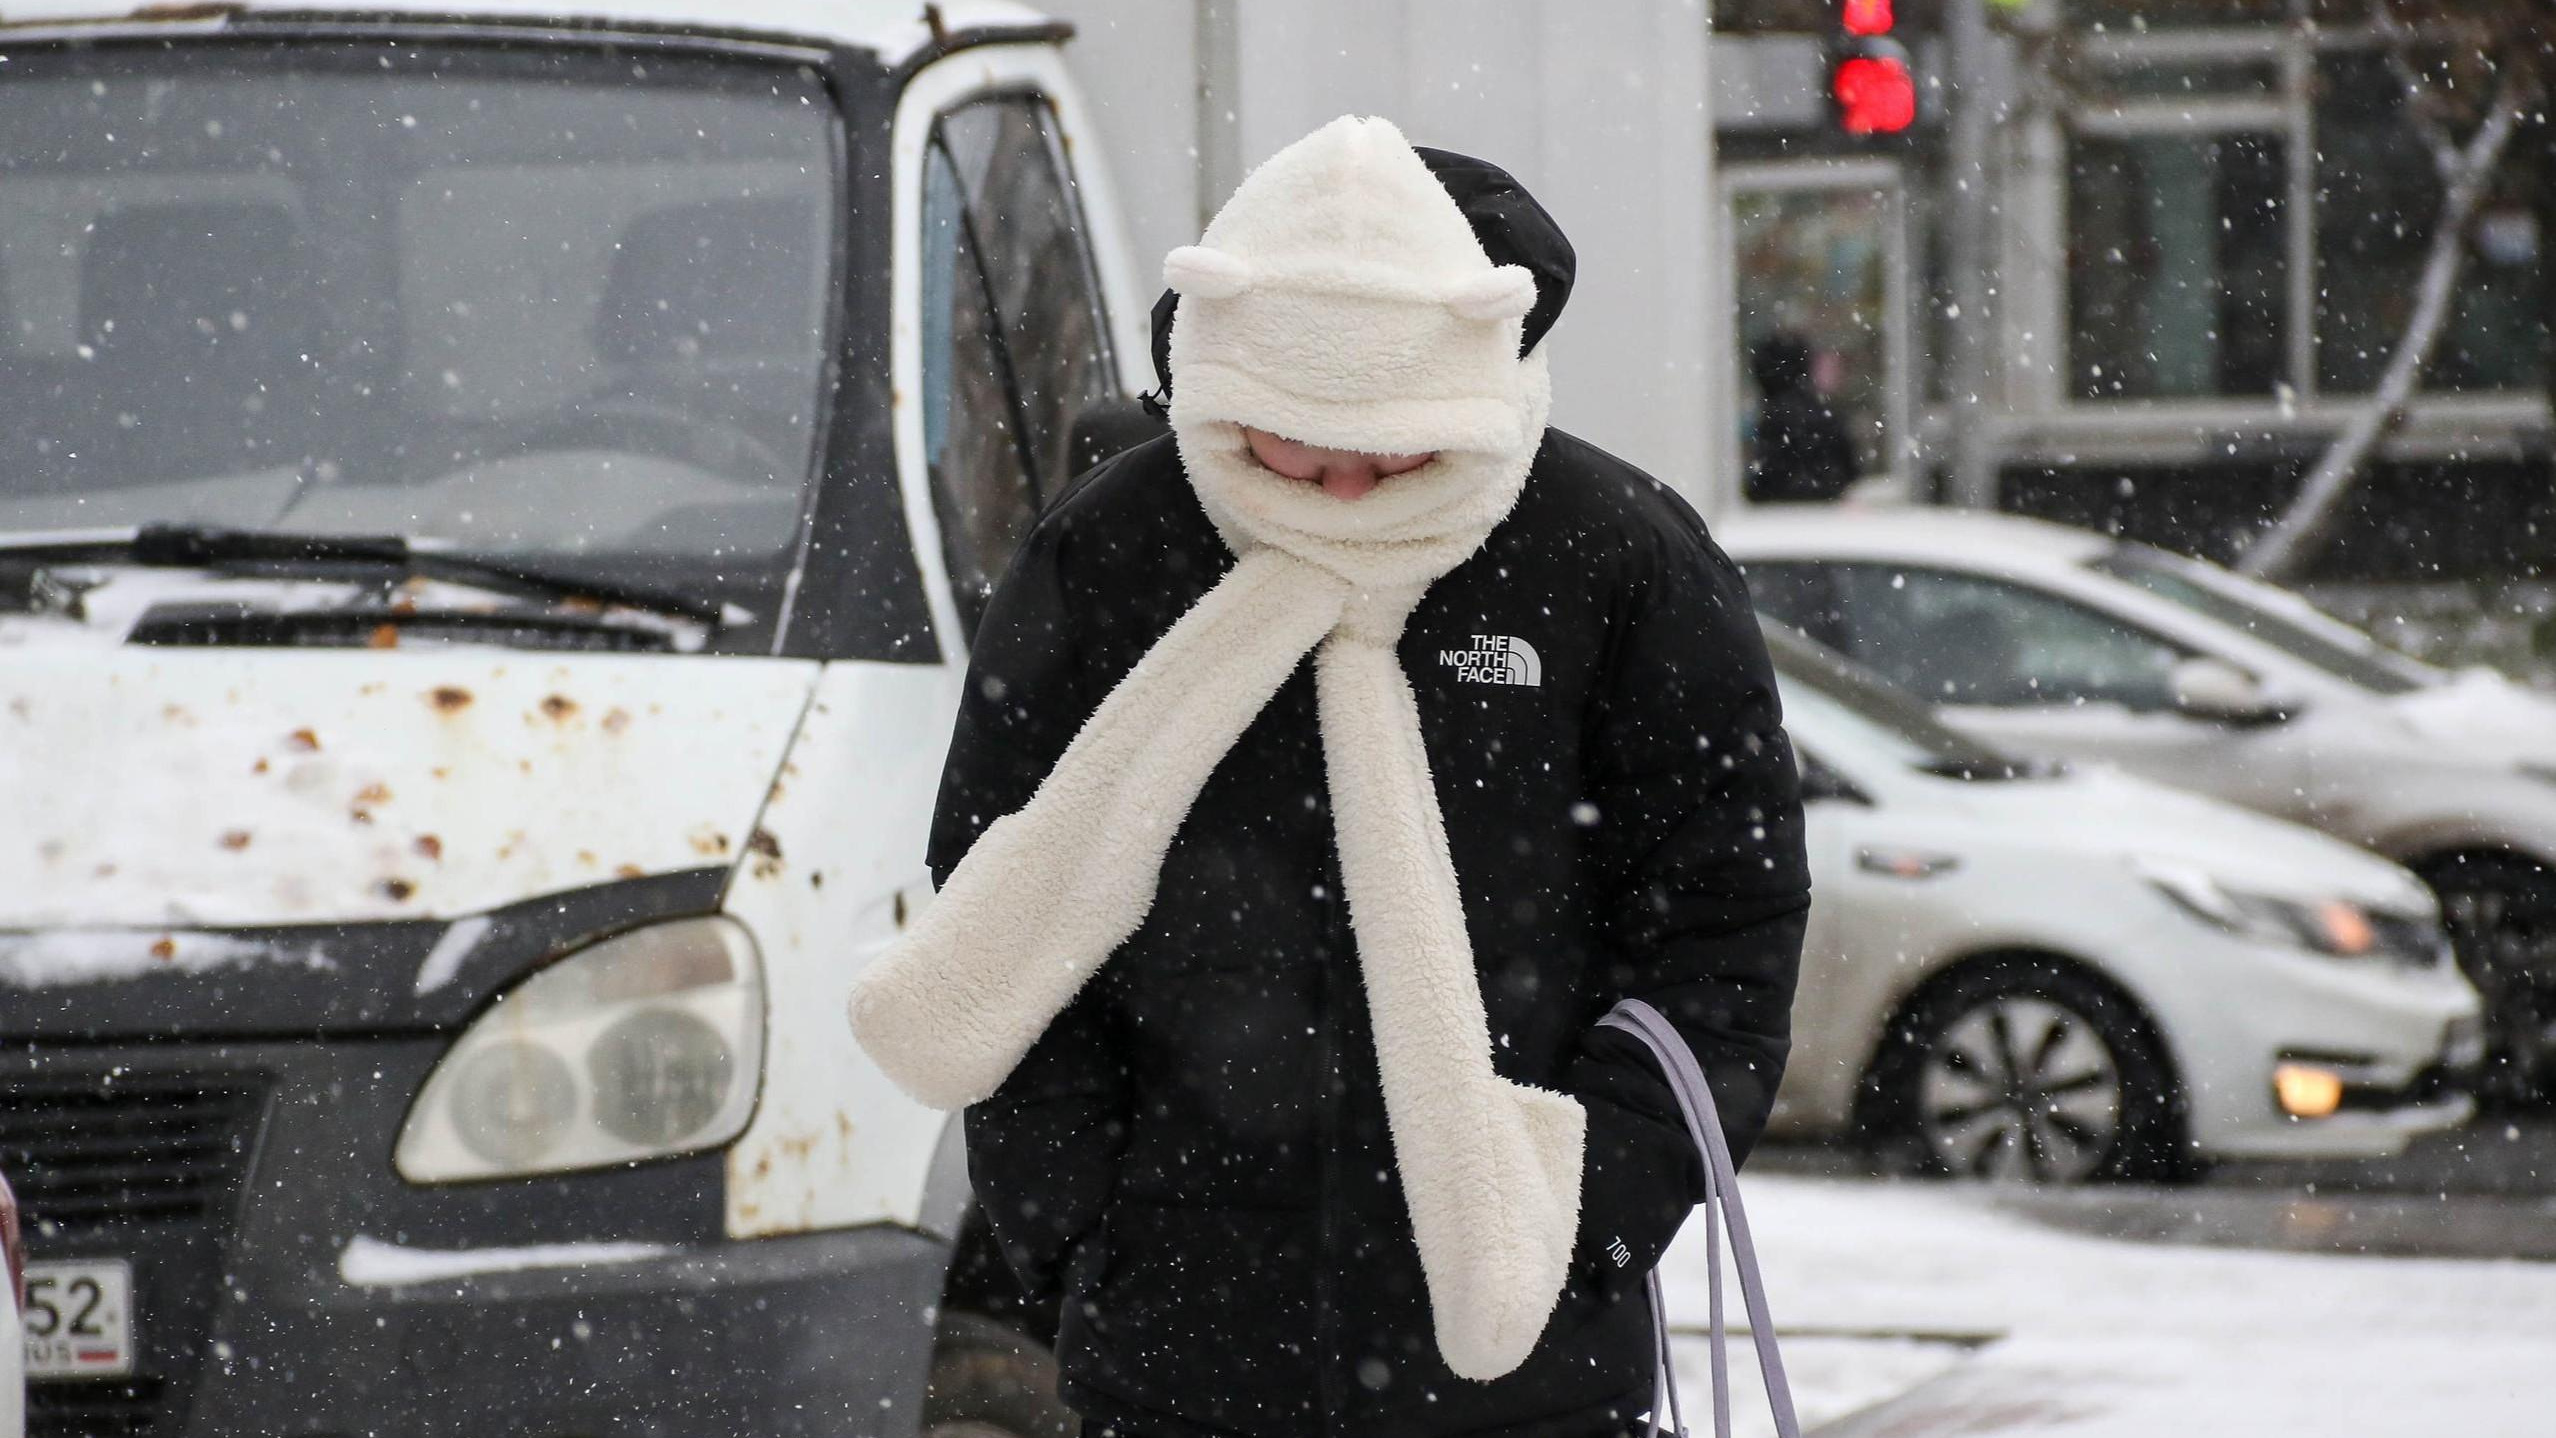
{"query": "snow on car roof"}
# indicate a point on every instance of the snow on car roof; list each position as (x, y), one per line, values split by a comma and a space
(1906, 532)
(893, 29)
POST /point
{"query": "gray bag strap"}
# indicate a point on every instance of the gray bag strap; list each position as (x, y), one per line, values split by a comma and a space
(1722, 1209)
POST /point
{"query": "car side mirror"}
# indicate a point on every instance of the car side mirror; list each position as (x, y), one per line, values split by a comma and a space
(2217, 692)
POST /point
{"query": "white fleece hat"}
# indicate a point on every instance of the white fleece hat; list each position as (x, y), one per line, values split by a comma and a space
(1340, 299)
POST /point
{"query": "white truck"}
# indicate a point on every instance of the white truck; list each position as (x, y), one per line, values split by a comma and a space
(492, 504)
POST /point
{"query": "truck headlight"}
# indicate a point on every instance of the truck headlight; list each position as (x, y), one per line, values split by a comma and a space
(647, 1044)
(2328, 926)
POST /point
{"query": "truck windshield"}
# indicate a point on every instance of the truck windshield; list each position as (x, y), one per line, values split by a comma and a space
(561, 301)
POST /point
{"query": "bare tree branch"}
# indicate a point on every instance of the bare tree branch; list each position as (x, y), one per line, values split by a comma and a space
(2284, 548)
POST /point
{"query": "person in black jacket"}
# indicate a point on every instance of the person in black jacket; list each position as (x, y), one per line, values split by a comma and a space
(1803, 452)
(1304, 813)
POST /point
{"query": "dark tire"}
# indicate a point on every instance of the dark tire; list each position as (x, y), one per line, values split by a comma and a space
(990, 1380)
(2028, 1069)
(2500, 909)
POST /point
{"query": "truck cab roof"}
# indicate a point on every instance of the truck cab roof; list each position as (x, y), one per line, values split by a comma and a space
(896, 31)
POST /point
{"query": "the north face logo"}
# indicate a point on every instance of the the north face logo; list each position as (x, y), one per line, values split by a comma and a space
(1495, 659)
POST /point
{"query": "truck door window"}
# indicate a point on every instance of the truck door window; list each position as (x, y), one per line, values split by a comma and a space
(971, 431)
(1013, 336)
(1038, 265)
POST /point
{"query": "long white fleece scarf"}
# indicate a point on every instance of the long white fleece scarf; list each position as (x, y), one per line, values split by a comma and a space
(1490, 1169)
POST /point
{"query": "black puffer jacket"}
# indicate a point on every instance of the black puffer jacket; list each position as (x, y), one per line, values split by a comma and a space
(1194, 1159)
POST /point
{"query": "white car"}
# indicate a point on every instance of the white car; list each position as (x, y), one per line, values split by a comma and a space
(2021, 971)
(2056, 641)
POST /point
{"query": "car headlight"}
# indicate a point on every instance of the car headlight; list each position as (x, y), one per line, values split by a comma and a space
(2328, 926)
(647, 1044)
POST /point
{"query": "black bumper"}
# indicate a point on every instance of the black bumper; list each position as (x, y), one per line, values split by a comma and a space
(819, 1334)
(241, 1173)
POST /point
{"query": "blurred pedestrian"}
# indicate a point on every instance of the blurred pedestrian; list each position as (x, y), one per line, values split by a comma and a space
(1325, 770)
(1803, 451)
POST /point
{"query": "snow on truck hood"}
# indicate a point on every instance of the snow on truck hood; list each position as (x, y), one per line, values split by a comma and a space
(235, 788)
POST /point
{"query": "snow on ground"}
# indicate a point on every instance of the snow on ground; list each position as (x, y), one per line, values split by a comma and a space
(2001, 1326)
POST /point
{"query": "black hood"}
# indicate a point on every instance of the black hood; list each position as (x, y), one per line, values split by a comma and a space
(1513, 229)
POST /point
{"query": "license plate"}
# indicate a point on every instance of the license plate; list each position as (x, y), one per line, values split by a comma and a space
(79, 1319)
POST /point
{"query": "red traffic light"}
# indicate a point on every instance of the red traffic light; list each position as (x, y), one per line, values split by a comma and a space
(1875, 94)
(1869, 17)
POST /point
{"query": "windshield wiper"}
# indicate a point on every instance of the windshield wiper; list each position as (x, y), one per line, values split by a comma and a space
(194, 546)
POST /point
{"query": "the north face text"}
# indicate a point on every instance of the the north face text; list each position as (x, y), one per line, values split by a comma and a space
(1495, 659)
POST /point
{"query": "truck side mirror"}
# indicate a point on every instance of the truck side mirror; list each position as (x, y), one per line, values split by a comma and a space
(2217, 692)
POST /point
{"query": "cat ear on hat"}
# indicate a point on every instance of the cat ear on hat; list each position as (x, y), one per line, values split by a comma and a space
(1503, 293)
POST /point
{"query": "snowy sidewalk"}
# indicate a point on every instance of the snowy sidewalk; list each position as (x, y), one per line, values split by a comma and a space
(1984, 1322)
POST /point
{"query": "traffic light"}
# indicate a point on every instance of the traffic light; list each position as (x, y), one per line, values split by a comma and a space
(1872, 89)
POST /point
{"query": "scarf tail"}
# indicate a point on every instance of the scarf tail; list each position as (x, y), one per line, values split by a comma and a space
(1490, 1169)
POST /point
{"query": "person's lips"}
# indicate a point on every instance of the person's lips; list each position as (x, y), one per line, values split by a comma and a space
(1340, 473)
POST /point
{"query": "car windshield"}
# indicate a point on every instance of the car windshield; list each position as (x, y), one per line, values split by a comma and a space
(1836, 707)
(509, 298)
(2274, 616)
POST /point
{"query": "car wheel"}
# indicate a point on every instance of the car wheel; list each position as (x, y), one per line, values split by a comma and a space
(2028, 1071)
(2500, 910)
(990, 1380)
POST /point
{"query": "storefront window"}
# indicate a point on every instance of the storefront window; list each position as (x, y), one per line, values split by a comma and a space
(1813, 267)
(2189, 184)
(2377, 195)
(2177, 272)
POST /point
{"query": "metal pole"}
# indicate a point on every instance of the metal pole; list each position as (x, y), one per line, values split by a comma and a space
(1219, 131)
(1970, 255)
(2540, 176)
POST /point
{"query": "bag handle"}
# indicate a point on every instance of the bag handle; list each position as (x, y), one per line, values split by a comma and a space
(1722, 1208)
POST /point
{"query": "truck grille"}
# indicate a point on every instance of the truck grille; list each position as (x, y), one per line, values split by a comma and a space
(85, 1150)
(145, 1163)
